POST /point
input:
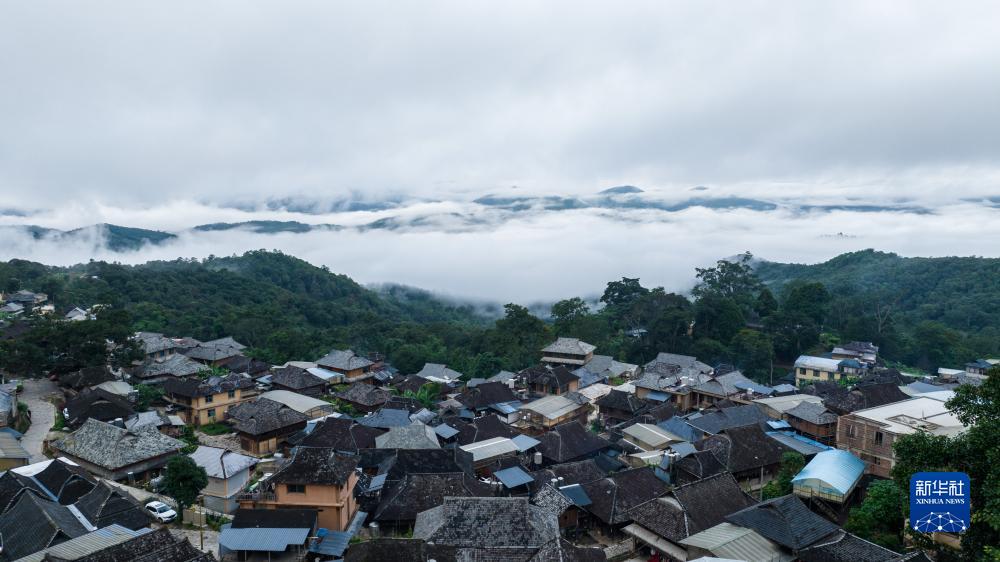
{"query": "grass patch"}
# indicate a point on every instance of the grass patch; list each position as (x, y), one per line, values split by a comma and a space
(216, 428)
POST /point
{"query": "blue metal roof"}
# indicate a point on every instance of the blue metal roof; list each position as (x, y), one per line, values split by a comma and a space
(758, 388)
(576, 494)
(446, 431)
(387, 418)
(333, 543)
(262, 539)
(377, 482)
(838, 468)
(778, 424)
(513, 477)
(801, 444)
(680, 427)
(523, 442)
(506, 408)
(657, 396)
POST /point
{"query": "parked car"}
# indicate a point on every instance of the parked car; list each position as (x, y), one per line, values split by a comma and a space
(161, 511)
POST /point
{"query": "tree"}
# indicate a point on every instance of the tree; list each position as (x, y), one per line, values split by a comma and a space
(183, 481)
(146, 395)
(732, 279)
(879, 518)
(717, 317)
(569, 309)
(623, 293)
(807, 299)
(791, 464)
(765, 304)
(518, 336)
(753, 352)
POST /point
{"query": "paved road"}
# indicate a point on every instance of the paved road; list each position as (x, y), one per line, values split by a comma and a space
(42, 415)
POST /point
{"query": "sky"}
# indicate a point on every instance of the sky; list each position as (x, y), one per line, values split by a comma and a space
(169, 115)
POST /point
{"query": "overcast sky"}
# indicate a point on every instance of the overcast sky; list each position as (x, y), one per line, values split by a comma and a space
(162, 111)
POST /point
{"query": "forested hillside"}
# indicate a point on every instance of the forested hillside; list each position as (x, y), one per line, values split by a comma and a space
(923, 312)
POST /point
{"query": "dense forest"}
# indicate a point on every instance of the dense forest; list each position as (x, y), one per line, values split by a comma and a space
(757, 317)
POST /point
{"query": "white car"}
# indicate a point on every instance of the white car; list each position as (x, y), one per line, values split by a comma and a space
(161, 511)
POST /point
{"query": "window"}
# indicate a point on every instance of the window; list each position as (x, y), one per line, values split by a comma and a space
(232, 394)
(295, 488)
(211, 412)
(802, 370)
(209, 399)
(879, 437)
(851, 432)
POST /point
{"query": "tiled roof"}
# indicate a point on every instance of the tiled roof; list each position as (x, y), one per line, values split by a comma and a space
(315, 465)
(342, 434)
(397, 463)
(786, 521)
(192, 388)
(614, 496)
(697, 465)
(284, 518)
(496, 522)
(263, 416)
(414, 436)
(364, 394)
(570, 441)
(105, 505)
(345, 360)
(34, 523)
(175, 365)
(558, 376)
(112, 447)
(89, 376)
(571, 473)
(483, 395)
(404, 499)
(726, 418)
(845, 547)
(221, 463)
(571, 346)
(155, 546)
(743, 448)
(693, 508)
(386, 418)
(812, 413)
(98, 404)
(623, 401)
(439, 371)
(295, 378)
(481, 429)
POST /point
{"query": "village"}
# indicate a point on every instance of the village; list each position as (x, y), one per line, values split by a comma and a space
(343, 457)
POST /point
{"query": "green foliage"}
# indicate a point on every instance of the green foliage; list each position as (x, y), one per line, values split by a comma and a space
(184, 480)
(734, 280)
(188, 436)
(427, 395)
(791, 464)
(216, 428)
(879, 518)
(753, 351)
(147, 394)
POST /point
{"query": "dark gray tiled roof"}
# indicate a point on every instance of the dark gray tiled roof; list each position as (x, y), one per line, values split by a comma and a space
(743, 448)
(496, 522)
(736, 416)
(812, 413)
(345, 360)
(614, 496)
(275, 518)
(404, 499)
(571, 473)
(104, 506)
(551, 500)
(173, 365)
(342, 434)
(482, 395)
(112, 447)
(364, 394)
(157, 546)
(33, 523)
(558, 376)
(98, 404)
(191, 388)
(697, 506)
(295, 378)
(316, 465)
(846, 547)
(570, 441)
(621, 400)
(263, 416)
(786, 521)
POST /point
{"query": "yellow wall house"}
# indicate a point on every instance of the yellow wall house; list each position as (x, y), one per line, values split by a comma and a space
(205, 401)
(315, 477)
(810, 369)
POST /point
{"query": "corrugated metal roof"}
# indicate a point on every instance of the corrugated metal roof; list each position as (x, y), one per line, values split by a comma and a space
(732, 541)
(657, 395)
(490, 448)
(446, 431)
(377, 482)
(523, 442)
(798, 443)
(261, 539)
(840, 469)
(513, 477)
(87, 544)
(576, 494)
(651, 434)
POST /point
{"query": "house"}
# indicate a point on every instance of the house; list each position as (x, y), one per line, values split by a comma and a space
(314, 478)
(116, 453)
(264, 425)
(86, 378)
(363, 397)
(413, 436)
(649, 437)
(59, 479)
(97, 404)
(8, 409)
(619, 406)
(725, 418)
(728, 541)
(228, 473)
(106, 505)
(845, 547)
(157, 346)
(660, 386)
(352, 366)
(295, 379)
(32, 524)
(404, 499)
(603, 368)
(813, 421)
(614, 497)
(861, 351)
(786, 521)
(204, 401)
(159, 545)
(311, 407)
(439, 373)
(159, 369)
(27, 299)
(776, 407)
(549, 380)
(870, 433)
(486, 427)
(77, 314)
(568, 351)
(747, 452)
(482, 456)
(341, 434)
(12, 454)
(732, 386)
(570, 442)
(216, 352)
(478, 523)
(545, 413)
(482, 396)
(676, 365)
(811, 369)
(267, 532)
(831, 475)
(663, 522)
(387, 418)
(981, 366)
(12, 309)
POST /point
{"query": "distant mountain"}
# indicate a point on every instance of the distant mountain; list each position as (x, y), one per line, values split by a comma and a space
(113, 237)
(266, 227)
(620, 190)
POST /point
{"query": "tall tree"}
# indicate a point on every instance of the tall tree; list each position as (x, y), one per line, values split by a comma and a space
(183, 481)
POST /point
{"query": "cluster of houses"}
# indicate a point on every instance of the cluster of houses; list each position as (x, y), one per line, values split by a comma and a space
(26, 303)
(579, 457)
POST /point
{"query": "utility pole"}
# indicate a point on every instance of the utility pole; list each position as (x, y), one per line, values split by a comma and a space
(201, 528)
